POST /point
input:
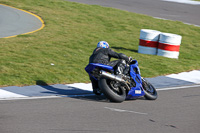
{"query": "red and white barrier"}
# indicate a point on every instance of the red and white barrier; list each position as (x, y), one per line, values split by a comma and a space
(148, 41)
(157, 43)
(169, 45)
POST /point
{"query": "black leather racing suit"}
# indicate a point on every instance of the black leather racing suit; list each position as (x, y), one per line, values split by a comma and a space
(103, 56)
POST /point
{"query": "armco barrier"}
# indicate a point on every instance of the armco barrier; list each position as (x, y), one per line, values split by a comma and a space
(148, 41)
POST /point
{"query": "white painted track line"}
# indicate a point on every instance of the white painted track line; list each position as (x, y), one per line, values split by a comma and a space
(176, 88)
(191, 2)
(7, 94)
(192, 76)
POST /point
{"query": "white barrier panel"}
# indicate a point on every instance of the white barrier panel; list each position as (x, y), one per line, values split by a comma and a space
(148, 41)
(169, 45)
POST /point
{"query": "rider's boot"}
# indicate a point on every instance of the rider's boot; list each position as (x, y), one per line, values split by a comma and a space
(95, 86)
(97, 91)
(120, 67)
(126, 70)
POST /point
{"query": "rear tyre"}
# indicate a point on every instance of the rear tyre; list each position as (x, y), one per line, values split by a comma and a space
(149, 90)
(111, 90)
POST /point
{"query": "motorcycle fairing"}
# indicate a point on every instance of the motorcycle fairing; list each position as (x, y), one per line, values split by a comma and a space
(91, 66)
(136, 91)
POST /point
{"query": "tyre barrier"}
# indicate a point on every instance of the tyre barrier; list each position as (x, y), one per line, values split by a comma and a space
(158, 43)
(148, 41)
(169, 45)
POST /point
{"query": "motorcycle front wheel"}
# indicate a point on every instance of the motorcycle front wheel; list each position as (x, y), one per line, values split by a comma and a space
(149, 90)
(112, 90)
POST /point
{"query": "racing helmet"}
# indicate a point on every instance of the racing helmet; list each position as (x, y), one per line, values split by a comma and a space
(103, 44)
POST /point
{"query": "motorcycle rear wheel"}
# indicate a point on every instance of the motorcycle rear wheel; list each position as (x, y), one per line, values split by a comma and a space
(109, 89)
(149, 90)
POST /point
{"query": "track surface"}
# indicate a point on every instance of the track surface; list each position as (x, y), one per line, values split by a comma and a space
(156, 8)
(14, 22)
(175, 111)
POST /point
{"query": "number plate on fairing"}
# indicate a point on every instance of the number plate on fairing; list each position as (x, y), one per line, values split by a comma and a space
(138, 91)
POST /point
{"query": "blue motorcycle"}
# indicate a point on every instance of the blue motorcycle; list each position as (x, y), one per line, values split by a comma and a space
(118, 88)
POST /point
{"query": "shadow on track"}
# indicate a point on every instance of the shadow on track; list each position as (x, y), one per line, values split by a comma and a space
(68, 91)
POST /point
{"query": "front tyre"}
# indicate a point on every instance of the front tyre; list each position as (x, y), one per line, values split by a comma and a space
(149, 90)
(112, 90)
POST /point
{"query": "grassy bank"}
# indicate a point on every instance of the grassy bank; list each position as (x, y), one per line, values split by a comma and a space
(71, 33)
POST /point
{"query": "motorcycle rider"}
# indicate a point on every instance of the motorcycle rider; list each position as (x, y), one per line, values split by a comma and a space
(102, 54)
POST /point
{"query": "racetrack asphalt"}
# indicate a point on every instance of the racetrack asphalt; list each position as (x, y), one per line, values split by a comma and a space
(15, 21)
(27, 22)
(166, 9)
(175, 111)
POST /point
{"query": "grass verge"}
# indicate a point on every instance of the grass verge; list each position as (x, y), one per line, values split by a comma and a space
(71, 33)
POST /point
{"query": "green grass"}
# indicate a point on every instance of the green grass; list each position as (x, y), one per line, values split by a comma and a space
(71, 33)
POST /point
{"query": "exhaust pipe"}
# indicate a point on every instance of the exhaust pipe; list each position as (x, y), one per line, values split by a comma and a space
(112, 76)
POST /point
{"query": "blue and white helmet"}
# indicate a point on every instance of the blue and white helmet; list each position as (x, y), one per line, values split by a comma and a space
(103, 44)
